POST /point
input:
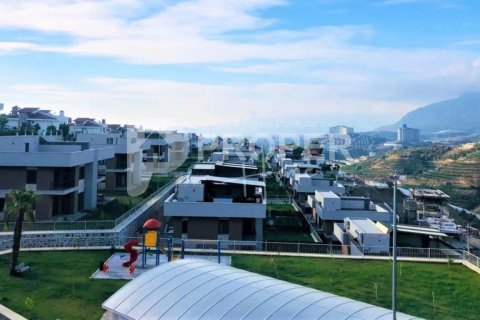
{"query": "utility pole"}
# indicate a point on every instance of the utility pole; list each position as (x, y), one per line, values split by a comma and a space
(394, 269)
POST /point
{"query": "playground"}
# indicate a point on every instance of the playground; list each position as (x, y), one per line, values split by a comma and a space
(148, 251)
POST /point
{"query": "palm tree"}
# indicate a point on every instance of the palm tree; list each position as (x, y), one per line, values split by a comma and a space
(19, 203)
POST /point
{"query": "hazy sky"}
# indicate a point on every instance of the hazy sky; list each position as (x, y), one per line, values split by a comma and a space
(245, 65)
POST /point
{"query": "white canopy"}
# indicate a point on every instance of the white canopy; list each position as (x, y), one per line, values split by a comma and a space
(199, 289)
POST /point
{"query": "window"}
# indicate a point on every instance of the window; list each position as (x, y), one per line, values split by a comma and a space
(27, 147)
(82, 173)
(223, 227)
(81, 199)
(184, 226)
(2, 204)
(31, 176)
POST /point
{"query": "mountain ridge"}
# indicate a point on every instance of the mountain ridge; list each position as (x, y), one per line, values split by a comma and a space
(460, 114)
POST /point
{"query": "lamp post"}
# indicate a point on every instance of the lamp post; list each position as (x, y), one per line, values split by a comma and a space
(394, 269)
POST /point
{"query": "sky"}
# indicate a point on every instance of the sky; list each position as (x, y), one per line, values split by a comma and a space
(238, 65)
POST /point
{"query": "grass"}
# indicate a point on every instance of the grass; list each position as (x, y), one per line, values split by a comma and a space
(287, 236)
(274, 189)
(287, 207)
(57, 286)
(123, 202)
(431, 291)
(285, 224)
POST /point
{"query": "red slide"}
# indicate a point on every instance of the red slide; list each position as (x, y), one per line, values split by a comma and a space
(133, 253)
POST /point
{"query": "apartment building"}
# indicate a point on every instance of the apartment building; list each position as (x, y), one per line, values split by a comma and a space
(164, 150)
(408, 135)
(124, 168)
(340, 130)
(65, 175)
(329, 208)
(209, 207)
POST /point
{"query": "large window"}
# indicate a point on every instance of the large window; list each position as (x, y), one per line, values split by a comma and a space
(82, 173)
(81, 199)
(2, 204)
(31, 176)
(184, 226)
(223, 226)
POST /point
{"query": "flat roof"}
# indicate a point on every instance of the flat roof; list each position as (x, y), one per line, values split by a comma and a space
(429, 193)
(204, 166)
(366, 225)
(327, 194)
(199, 179)
(199, 289)
(235, 165)
(420, 230)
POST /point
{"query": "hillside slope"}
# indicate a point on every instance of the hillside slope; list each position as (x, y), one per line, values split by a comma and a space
(459, 114)
(455, 170)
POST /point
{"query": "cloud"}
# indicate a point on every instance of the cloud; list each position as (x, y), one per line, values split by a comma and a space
(318, 72)
(162, 104)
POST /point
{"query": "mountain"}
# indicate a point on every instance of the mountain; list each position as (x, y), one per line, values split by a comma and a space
(459, 114)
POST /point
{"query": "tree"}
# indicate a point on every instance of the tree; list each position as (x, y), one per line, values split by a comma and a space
(51, 130)
(19, 204)
(298, 152)
(36, 128)
(3, 122)
(26, 128)
(64, 129)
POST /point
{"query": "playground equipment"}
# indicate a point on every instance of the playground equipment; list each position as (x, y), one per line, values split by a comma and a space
(152, 242)
(133, 253)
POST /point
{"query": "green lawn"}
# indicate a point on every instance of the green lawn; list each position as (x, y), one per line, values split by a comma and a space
(57, 286)
(285, 224)
(123, 202)
(431, 291)
(274, 189)
(287, 236)
(287, 207)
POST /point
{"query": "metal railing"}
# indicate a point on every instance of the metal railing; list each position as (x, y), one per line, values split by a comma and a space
(180, 247)
(473, 259)
(89, 224)
(279, 199)
(196, 246)
(61, 225)
(206, 246)
(149, 201)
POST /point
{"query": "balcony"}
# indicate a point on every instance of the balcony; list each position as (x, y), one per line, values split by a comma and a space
(59, 188)
(175, 208)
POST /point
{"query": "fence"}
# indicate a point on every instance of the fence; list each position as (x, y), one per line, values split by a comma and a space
(88, 224)
(279, 199)
(180, 247)
(146, 202)
(215, 247)
(205, 246)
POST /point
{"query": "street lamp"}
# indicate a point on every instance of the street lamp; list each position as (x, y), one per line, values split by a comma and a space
(394, 269)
